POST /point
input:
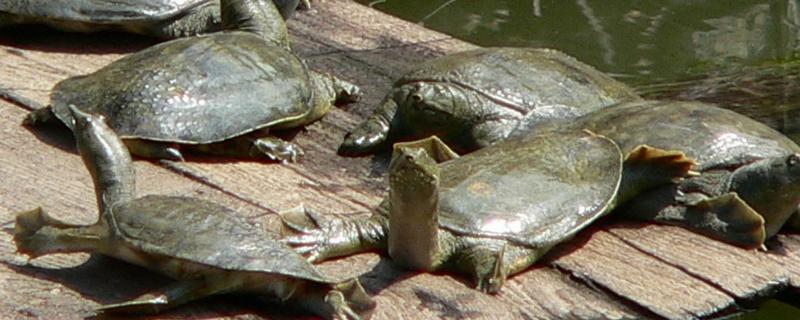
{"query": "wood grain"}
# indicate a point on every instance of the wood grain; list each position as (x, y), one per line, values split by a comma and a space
(615, 270)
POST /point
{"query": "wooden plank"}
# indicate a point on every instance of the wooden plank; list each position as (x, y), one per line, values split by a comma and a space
(744, 274)
(619, 276)
(603, 259)
(323, 181)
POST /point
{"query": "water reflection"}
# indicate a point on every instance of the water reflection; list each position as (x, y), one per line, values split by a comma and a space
(643, 40)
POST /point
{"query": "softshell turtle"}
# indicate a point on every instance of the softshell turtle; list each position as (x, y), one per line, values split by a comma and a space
(206, 89)
(749, 182)
(157, 18)
(474, 98)
(209, 248)
(491, 213)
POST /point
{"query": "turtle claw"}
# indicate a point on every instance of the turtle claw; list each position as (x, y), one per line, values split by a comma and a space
(315, 238)
(276, 150)
(304, 230)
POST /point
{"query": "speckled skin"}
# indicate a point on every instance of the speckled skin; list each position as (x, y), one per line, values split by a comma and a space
(494, 212)
(209, 248)
(158, 18)
(206, 89)
(735, 154)
(474, 98)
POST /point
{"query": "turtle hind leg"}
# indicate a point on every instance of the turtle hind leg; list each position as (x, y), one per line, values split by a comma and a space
(153, 150)
(246, 146)
(646, 167)
(727, 217)
(36, 233)
(344, 300)
(178, 293)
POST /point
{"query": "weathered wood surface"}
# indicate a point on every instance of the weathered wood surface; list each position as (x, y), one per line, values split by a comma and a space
(613, 270)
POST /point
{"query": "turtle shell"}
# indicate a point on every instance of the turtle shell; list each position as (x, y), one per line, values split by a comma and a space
(102, 11)
(714, 137)
(207, 233)
(523, 78)
(534, 191)
(193, 90)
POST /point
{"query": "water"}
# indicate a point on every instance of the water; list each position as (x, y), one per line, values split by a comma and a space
(636, 41)
(640, 41)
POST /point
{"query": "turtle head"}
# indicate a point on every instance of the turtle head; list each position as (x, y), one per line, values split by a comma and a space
(444, 110)
(414, 205)
(770, 186)
(106, 158)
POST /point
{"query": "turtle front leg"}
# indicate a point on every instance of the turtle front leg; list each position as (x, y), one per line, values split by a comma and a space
(205, 19)
(36, 233)
(492, 262)
(178, 293)
(319, 240)
(374, 133)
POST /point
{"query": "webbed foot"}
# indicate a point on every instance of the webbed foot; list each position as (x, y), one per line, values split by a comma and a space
(494, 278)
(276, 149)
(350, 301)
(729, 219)
(319, 239)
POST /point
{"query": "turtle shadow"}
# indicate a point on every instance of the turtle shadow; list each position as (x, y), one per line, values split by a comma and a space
(56, 135)
(107, 280)
(44, 39)
(383, 275)
(101, 279)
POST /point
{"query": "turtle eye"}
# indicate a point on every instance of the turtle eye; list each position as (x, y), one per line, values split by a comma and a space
(416, 97)
(793, 160)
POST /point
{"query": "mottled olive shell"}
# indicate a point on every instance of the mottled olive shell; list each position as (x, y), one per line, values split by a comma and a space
(102, 11)
(522, 79)
(193, 90)
(534, 191)
(712, 136)
(204, 232)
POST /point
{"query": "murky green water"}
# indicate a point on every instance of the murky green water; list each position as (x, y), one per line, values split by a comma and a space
(642, 40)
(636, 41)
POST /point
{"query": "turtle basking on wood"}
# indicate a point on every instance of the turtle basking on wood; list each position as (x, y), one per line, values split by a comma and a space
(749, 174)
(491, 213)
(157, 18)
(207, 247)
(474, 98)
(198, 92)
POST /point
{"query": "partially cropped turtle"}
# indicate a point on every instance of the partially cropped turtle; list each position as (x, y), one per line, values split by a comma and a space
(491, 213)
(749, 182)
(474, 98)
(206, 89)
(207, 247)
(157, 18)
